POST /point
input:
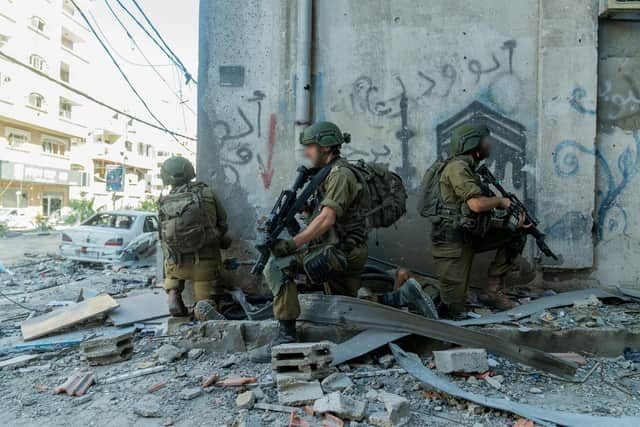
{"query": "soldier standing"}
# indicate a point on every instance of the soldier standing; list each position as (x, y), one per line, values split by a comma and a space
(463, 226)
(332, 249)
(193, 229)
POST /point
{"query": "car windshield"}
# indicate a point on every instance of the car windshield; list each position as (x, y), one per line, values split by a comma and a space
(6, 211)
(111, 220)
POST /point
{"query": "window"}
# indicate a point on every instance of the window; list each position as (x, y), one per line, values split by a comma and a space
(36, 100)
(17, 137)
(66, 42)
(65, 108)
(37, 23)
(150, 224)
(149, 151)
(140, 149)
(68, 7)
(37, 62)
(128, 145)
(53, 145)
(111, 221)
(64, 72)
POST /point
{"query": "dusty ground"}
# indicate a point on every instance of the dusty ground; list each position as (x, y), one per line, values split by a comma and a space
(41, 280)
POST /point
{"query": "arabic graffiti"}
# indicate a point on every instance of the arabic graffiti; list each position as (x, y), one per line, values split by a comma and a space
(509, 137)
(610, 216)
(619, 103)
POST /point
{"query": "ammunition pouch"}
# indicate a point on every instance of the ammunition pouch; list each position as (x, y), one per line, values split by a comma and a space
(476, 224)
(321, 263)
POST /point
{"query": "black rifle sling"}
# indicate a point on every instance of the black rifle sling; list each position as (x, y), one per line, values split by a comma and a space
(311, 187)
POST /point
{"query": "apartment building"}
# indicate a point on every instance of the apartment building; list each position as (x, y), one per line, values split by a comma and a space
(55, 145)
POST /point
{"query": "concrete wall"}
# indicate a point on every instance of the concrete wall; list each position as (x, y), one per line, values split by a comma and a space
(528, 69)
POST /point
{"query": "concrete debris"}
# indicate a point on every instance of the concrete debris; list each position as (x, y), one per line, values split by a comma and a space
(495, 382)
(169, 353)
(210, 381)
(338, 381)
(397, 408)
(77, 384)
(247, 420)
(155, 387)
(190, 393)
(107, 350)
(134, 374)
(296, 421)
(296, 392)
(246, 400)
(304, 360)
(274, 408)
(18, 361)
(236, 381)
(195, 353)
(590, 301)
(461, 360)
(148, 408)
(330, 420)
(82, 399)
(386, 361)
(535, 390)
(342, 406)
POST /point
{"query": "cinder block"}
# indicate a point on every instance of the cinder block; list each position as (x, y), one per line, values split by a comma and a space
(113, 349)
(302, 360)
(461, 360)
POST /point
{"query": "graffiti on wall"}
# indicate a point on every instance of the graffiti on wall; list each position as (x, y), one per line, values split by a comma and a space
(619, 103)
(610, 216)
(399, 113)
(509, 140)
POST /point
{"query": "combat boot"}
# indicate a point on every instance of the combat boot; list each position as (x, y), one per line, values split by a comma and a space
(411, 295)
(493, 296)
(175, 303)
(286, 334)
(206, 310)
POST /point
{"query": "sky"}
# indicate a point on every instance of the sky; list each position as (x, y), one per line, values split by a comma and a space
(177, 22)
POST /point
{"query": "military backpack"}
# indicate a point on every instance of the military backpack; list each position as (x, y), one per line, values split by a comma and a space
(385, 195)
(430, 199)
(185, 226)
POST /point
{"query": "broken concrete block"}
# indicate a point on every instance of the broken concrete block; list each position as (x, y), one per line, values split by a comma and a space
(194, 353)
(337, 381)
(190, 393)
(397, 408)
(304, 360)
(295, 392)
(109, 349)
(148, 408)
(386, 361)
(340, 405)
(246, 400)
(169, 353)
(461, 360)
(495, 382)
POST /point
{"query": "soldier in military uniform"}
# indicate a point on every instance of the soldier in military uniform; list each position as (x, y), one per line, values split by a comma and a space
(334, 243)
(466, 227)
(193, 229)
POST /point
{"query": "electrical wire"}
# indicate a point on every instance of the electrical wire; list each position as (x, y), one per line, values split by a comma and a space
(169, 54)
(187, 75)
(106, 49)
(92, 99)
(118, 54)
(19, 304)
(135, 43)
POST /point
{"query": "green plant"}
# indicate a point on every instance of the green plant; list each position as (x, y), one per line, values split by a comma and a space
(80, 210)
(149, 205)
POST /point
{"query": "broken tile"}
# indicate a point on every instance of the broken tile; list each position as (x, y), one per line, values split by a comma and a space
(77, 384)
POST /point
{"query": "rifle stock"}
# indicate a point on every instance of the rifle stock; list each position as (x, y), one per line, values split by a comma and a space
(533, 230)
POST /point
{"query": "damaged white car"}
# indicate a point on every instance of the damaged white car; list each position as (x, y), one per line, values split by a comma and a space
(103, 237)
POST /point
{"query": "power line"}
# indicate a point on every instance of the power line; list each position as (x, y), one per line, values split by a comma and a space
(169, 53)
(91, 98)
(118, 54)
(187, 75)
(130, 36)
(133, 89)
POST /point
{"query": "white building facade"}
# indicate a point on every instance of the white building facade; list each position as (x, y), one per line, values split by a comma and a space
(56, 145)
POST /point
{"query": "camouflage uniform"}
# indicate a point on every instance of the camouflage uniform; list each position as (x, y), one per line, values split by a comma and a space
(453, 249)
(204, 269)
(342, 192)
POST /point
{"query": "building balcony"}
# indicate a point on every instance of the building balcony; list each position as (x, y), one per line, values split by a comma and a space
(32, 155)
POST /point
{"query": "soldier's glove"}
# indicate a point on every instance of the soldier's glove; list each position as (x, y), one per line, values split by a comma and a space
(284, 248)
(225, 242)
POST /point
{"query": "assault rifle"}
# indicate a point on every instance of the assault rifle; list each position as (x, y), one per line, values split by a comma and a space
(283, 213)
(518, 208)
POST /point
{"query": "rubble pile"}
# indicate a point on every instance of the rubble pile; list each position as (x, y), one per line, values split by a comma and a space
(124, 360)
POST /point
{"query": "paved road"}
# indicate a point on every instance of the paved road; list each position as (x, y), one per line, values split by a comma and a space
(12, 249)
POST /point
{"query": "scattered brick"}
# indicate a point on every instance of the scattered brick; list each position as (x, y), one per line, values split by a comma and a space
(211, 381)
(77, 385)
(155, 387)
(330, 420)
(230, 382)
(41, 388)
(296, 421)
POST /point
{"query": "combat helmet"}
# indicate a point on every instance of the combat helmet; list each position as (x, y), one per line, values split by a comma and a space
(467, 138)
(177, 170)
(325, 134)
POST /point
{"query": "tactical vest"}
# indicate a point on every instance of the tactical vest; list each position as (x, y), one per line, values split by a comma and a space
(432, 206)
(185, 225)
